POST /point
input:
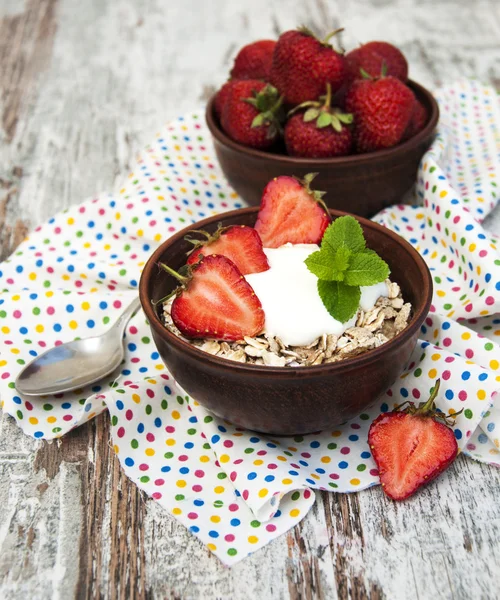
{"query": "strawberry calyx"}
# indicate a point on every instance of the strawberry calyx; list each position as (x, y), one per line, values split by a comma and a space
(270, 106)
(383, 73)
(326, 40)
(316, 195)
(209, 237)
(322, 111)
(183, 276)
(428, 408)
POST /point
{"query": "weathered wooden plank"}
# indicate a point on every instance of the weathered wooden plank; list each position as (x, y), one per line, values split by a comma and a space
(84, 85)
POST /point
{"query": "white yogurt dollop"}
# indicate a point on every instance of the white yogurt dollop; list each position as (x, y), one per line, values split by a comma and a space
(289, 296)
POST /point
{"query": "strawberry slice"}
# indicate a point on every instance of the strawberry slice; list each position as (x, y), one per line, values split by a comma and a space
(216, 302)
(412, 446)
(291, 212)
(239, 243)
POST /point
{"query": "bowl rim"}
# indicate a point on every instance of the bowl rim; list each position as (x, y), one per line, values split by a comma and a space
(352, 159)
(283, 372)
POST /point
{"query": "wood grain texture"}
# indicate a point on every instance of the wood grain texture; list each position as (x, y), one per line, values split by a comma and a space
(83, 85)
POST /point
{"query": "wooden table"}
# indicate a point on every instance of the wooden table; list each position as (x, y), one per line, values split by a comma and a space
(86, 84)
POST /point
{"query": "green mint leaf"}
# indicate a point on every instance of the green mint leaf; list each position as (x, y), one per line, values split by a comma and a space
(340, 300)
(341, 259)
(344, 232)
(366, 269)
(320, 264)
(327, 265)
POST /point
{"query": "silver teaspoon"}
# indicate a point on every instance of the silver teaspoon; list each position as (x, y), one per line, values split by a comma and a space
(76, 364)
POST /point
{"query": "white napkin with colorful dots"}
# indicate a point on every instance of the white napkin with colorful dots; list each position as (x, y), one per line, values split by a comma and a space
(235, 489)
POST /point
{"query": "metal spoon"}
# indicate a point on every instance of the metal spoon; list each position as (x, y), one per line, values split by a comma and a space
(76, 364)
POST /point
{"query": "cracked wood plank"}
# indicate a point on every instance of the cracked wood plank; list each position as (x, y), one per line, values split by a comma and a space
(83, 86)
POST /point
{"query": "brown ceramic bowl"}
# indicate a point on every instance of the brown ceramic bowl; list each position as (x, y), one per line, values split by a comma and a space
(362, 184)
(287, 400)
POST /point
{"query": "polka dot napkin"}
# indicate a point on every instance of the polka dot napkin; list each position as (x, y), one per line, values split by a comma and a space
(237, 490)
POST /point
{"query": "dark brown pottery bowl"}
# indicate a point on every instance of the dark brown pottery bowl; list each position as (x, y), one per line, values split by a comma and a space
(287, 400)
(362, 184)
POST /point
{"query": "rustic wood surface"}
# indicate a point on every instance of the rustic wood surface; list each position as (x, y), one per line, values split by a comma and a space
(84, 85)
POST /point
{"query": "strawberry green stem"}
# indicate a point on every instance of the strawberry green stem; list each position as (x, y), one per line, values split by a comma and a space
(429, 405)
(328, 98)
(170, 271)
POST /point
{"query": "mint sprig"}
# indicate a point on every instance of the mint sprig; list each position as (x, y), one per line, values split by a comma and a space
(342, 265)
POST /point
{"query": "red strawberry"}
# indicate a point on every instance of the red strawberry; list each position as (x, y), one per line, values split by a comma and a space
(320, 131)
(382, 109)
(375, 56)
(303, 65)
(216, 302)
(221, 97)
(239, 243)
(411, 447)
(254, 60)
(418, 120)
(251, 114)
(291, 212)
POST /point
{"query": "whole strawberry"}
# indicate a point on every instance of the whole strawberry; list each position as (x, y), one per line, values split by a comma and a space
(382, 109)
(252, 113)
(373, 57)
(221, 97)
(254, 60)
(303, 65)
(412, 446)
(318, 131)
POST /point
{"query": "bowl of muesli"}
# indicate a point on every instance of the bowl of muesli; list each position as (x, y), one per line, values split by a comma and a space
(288, 319)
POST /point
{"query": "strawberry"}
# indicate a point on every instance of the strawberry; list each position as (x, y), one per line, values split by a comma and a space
(303, 65)
(418, 120)
(319, 131)
(251, 114)
(239, 243)
(382, 109)
(254, 60)
(215, 301)
(411, 446)
(291, 212)
(373, 57)
(221, 97)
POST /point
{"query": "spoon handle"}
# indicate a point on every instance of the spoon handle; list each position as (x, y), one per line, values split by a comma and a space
(125, 317)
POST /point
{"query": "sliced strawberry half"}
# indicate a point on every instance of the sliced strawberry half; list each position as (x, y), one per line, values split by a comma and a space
(216, 302)
(291, 212)
(239, 243)
(411, 447)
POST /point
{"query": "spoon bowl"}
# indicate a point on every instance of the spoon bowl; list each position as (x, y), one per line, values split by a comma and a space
(76, 364)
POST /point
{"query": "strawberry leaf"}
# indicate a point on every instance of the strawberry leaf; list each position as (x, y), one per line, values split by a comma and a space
(340, 300)
(366, 269)
(346, 118)
(344, 232)
(311, 114)
(324, 120)
(259, 120)
(336, 124)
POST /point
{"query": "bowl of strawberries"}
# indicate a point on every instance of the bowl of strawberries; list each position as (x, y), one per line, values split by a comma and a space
(287, 318)
(298, 105)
